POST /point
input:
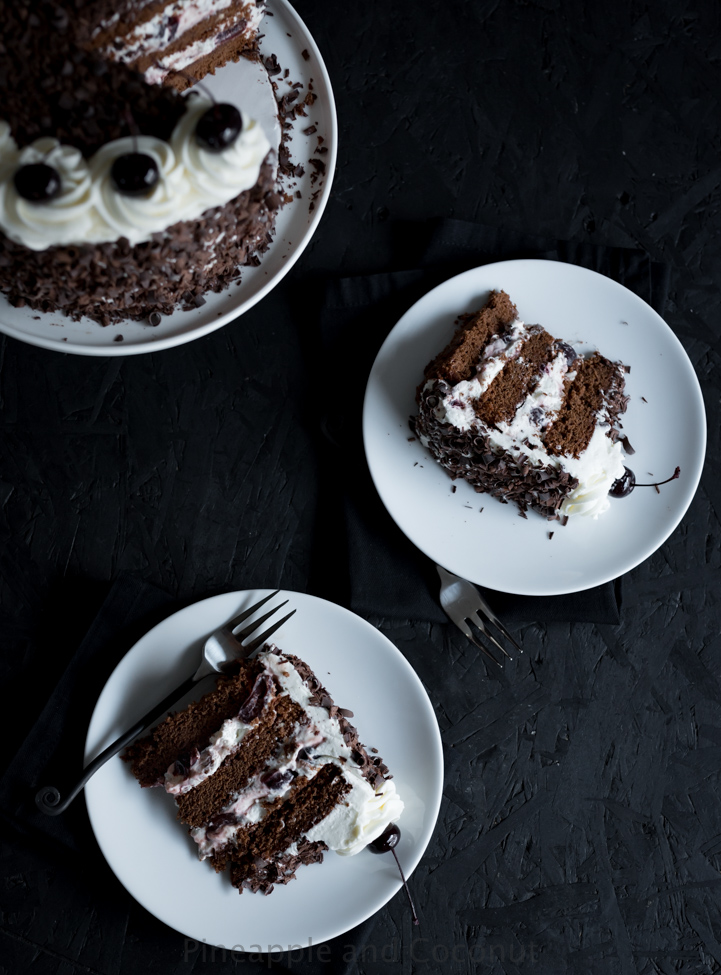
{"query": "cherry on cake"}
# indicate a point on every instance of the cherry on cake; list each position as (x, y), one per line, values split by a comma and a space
(119, 197)
(268, 773)
(522, 415)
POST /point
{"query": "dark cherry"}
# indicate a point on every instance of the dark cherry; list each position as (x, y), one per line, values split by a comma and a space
(568, 351)
(134, 174)
(38, 182)
(624, 485)
(255, 702)
(219, 127)
(275, 779)
(386, 843)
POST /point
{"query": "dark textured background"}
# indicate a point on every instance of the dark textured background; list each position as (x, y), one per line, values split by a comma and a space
(581, 825)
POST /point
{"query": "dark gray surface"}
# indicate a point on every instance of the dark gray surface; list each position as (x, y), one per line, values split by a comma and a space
(581, 825)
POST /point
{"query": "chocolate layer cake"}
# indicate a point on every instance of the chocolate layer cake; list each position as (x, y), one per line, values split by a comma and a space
(522, 416)
(118, 198)
(267, 773)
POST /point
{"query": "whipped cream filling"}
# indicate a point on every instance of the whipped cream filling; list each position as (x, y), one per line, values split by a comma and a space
(597, 467)
(363, 812)
(89, 210)
(360, 818)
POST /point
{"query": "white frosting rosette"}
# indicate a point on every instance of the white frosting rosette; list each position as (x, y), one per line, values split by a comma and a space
(66, 219)
(217, 177)
(138, 217)
(90, 210)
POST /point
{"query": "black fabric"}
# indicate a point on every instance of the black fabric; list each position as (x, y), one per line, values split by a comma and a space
(52, 753)
(375, 569)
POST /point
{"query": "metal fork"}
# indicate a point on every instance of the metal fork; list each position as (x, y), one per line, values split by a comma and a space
(463, 604)
(222, 647)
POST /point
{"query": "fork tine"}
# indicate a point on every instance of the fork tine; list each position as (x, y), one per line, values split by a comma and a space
(252, 627)
(231, 625)
(488, 635)
(497, 623)
(260, 640)
(465, 629)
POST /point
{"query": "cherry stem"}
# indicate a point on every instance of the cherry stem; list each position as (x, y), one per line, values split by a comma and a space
(405, 884)
(132, 125)
(659, 483)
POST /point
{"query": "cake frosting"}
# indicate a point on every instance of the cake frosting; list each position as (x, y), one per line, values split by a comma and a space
(90, 210)
(281, 778)
(524, 416)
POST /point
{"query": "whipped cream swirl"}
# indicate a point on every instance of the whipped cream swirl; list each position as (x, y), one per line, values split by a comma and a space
(68, 218)
(89, 210)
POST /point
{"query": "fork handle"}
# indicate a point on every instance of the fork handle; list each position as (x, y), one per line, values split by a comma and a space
(48, 799)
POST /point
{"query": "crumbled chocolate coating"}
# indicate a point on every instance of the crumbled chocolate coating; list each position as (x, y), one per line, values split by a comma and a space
(372, 767)
(115, 281)
(262, 875)
(471, 455)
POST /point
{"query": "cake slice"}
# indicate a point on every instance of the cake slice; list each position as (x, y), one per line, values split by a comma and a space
(174, 42)
(522, 416)
(267, 773)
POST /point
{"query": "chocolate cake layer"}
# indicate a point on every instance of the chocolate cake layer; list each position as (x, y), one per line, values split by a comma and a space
(175, 737)
(597, 381)
(199, 805)
(458, 360)
(229, 45)
(179, 41)
(285, 826)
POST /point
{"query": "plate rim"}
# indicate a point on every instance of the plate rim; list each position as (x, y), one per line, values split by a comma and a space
(184, 337)
(435, 793)
(699, 405)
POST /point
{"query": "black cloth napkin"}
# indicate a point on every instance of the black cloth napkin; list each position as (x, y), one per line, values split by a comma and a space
(52, 754)
(370, 565)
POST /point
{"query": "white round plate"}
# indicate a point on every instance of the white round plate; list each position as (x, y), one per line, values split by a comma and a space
(494, 547)
(245, 83)
(152, 854)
